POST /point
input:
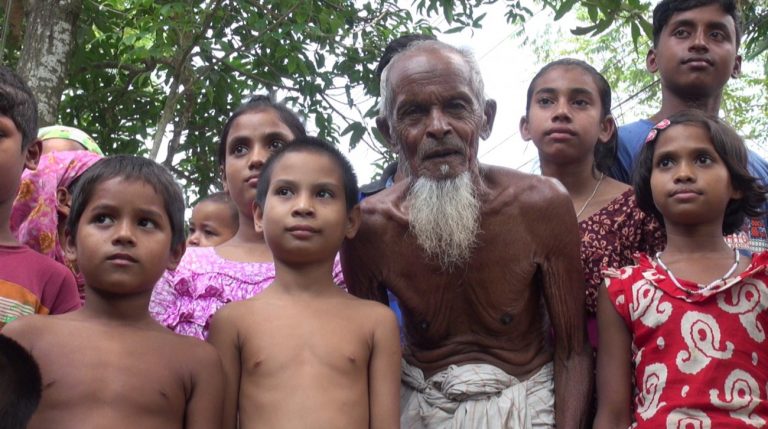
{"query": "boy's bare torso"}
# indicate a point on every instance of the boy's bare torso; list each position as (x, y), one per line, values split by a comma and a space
(304, 359)
(108, 375)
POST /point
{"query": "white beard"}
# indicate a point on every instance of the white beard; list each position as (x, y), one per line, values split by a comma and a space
(445, 218)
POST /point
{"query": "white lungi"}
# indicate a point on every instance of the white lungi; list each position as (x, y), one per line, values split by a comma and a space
(476, 396)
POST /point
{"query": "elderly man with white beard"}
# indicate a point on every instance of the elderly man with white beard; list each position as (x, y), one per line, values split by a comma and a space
(484, 261)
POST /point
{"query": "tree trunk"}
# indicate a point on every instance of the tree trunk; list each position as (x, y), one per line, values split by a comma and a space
(49, 37)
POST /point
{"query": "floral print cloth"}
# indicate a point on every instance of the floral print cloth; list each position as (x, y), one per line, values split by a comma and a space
(700, 359)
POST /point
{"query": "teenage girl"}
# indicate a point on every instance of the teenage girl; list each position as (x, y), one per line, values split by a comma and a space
(688, 324)
(568, 118)
(209, 277)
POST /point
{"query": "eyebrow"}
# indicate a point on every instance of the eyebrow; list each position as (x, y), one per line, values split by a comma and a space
(717, 25)
(290, 182)
(571, 91)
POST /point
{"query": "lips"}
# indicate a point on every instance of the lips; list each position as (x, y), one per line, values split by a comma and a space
(253, 179)
(698, 61)
(442, 153)
(684, 193)
(122, 259)
(560, 133)
(300, 228)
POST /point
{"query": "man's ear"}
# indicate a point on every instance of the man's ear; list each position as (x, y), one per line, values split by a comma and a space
(33, 155)
(524, 132)
(736, 72)
(258, 217)
(489, 115)
(650, 61)
(353, 221)
(176, 254)
(382, 124)
(63, 201)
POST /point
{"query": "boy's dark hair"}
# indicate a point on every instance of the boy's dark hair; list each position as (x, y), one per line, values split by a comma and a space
(258, 103)
(604, 153)
(20, 385)
(18, 103)
(729, 147)
(130, 168)
(663, 12)
(395, 46)
(315, 145)
(225, 199)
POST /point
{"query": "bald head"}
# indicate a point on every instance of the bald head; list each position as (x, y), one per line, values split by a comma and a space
(421, 51)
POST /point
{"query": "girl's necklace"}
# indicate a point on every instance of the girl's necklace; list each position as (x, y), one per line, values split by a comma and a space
(589, 200)
(706, 288)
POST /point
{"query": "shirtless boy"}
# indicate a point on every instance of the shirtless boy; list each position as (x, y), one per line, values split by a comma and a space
(304, 353)
(110, 364)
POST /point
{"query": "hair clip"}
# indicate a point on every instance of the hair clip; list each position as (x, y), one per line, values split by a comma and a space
(663, 124)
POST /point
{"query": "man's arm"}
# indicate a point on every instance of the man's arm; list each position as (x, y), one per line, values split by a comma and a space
(614, 378)
(564, 293)
(204, 406)
(384, 373)
(224, 337)
(360, 259)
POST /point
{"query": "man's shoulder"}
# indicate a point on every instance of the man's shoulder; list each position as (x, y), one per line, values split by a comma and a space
(510, 186)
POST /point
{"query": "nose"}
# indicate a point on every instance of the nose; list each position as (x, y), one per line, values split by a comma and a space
(438, 125)
(258, 157)
(685, 173)
(561, 111)
(124, 234)
(304, 206)
(194, 239)
(699, 41)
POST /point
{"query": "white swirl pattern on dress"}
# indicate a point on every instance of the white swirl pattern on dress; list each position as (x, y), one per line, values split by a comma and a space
(748, 300)
(646, 305)
(701, 334)
(654, 381)
(741, 394)
(687, 418)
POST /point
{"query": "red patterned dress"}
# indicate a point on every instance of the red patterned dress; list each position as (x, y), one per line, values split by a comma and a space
(609, 238)
(700, 359)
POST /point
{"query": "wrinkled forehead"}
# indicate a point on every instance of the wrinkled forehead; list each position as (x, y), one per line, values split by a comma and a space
(416, 70)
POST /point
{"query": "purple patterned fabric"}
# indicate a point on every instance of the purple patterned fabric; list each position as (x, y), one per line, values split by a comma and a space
(185, 300)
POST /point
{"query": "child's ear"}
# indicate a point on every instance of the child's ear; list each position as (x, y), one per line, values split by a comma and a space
(607, 128)
(33, 155)
(63, 201)
(353, 221)
(177, 252)
(524, 132)
(223, 174)
(258, 217)
(650, 61)
(70, 248)
(489, 115)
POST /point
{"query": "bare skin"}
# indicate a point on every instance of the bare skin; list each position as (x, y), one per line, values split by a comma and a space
(119, 375)
(318, 352)
(304, 353)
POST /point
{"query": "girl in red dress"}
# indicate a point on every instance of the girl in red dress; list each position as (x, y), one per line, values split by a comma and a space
(688, 324)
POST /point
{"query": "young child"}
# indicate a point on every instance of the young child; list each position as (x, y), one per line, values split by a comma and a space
(209, 277)
(695, 52)
(20, 385)
(691, 320)
(122, 368)
(60, 138)
(214, 221)
(568, 117)
(29, 282)
(304, 353)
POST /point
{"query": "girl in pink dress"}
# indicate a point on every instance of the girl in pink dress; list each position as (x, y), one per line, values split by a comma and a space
(185, 300)
(688, 324)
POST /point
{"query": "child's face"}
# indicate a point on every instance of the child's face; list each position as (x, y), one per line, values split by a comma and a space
(211, 224)
(252, 139)
(13, 159)
(565, 118)
(690, 183)
(305, 215)
(696, 53)
(123, 241)
(60, 145)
